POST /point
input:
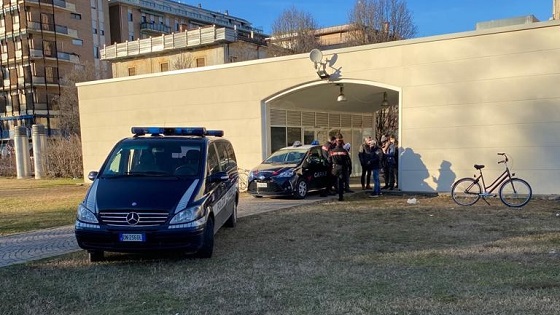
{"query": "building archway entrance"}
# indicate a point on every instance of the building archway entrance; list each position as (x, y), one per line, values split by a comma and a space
(314, 112)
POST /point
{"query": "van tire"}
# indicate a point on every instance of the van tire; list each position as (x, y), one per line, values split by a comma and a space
(207, 241)
(232, 220)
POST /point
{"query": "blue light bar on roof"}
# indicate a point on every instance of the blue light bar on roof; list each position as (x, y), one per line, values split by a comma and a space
(176, 131)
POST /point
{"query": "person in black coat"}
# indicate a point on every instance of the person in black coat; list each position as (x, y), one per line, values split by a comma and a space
(364, 154)
(341, 163)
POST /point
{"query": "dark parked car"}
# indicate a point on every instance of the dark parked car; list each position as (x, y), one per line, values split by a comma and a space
(290, 171)
(162, 189)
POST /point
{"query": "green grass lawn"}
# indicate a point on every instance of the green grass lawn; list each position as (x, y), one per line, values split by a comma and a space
(361, 256)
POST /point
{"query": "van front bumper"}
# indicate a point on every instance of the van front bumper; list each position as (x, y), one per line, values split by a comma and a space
(161, 239)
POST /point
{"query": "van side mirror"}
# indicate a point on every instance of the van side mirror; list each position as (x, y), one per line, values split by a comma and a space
(92, 175)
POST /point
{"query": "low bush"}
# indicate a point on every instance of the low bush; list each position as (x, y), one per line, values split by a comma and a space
(63, 158)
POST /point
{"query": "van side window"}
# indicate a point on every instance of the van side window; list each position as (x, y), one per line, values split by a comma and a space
(213, 162)
(223, 153)
(232, 158)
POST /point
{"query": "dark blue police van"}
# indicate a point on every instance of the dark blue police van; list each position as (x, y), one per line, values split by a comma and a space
(162, 189)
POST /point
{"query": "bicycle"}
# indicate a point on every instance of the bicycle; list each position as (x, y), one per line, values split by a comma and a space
(243, 179)
(513, 192)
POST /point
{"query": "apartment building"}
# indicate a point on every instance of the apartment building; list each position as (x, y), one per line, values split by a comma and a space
(160, 35)
(40, 42)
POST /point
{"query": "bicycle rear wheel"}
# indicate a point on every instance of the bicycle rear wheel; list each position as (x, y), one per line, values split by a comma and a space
(243, 181)
(515, 192)
(466, 191)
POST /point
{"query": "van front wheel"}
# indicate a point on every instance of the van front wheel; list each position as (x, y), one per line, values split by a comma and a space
(208, 240)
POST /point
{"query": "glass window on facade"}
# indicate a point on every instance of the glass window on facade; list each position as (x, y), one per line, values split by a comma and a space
(277, 138)
(51, 74)
(308, 136)
(293, 135)
(49, 48)
(131, 71)
(200, 62)
(164, 67)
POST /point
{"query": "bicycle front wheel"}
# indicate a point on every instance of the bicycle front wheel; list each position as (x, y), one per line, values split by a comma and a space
(515, 192)
(466, 191)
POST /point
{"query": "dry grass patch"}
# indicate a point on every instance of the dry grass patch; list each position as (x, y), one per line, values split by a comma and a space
(29, 204)
(361, 256)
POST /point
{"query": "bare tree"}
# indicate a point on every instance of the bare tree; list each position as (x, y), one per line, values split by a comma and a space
(387, 121)
(293, 32)
(69, 115)
(183, 61)
(377, 21)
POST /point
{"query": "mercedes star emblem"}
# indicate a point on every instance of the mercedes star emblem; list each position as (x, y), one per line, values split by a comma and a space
(132, 218)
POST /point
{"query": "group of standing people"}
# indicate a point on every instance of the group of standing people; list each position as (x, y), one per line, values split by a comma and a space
(376, 157)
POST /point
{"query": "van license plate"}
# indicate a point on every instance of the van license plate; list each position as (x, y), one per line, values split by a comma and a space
(128, 237)
(261, 185)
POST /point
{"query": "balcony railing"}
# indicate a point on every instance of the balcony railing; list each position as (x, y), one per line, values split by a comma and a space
(194, 13)
(38, 53)
(50, 27)
(57, 3)
(155, 27)
(200, 37)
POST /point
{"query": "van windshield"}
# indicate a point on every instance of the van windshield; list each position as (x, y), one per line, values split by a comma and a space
(154, 157)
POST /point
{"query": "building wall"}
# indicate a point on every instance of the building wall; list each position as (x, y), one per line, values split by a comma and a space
(41, 43)
(175, 59)
(464, 98)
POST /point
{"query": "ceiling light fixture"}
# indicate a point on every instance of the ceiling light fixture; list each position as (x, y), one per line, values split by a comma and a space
(385, 102)
(341, 97)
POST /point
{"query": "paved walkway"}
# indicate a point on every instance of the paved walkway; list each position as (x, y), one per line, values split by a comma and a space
(24, 247)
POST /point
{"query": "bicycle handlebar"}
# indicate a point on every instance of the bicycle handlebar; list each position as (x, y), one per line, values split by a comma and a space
(505, 160)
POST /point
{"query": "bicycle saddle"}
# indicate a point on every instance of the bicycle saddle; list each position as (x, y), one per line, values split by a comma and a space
(478, 167)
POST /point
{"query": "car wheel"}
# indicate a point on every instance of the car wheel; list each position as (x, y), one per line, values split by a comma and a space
(95, 255)
(301, 189)
(232, 220)
(207, 241)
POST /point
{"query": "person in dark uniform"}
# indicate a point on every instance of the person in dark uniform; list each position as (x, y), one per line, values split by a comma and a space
(327, 148)
(340, 160)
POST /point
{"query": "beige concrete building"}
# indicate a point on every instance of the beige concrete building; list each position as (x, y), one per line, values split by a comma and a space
(462, 98)
(189, 49)
(41, 41)
(152, 36)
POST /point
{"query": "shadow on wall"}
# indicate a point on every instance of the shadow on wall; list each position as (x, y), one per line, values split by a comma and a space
(419, 175)
(446, 177)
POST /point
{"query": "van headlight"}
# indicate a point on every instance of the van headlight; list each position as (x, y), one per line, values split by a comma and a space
(86, 215)
(187, 215)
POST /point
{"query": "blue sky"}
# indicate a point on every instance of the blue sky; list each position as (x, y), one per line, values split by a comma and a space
(432, 17)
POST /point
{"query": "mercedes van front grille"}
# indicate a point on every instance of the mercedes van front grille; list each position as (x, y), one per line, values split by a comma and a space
(133, 218)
